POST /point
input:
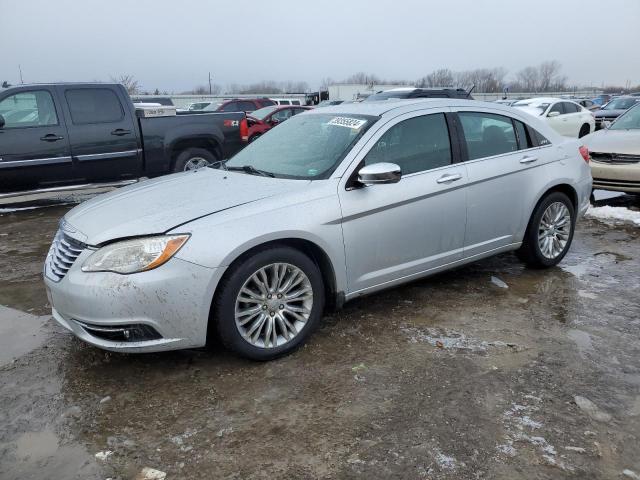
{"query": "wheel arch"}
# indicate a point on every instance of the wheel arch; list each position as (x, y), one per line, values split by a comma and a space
(207, 143)
(334, 298)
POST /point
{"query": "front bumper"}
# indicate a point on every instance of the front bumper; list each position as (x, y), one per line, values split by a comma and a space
(615, 176)
(173, 301)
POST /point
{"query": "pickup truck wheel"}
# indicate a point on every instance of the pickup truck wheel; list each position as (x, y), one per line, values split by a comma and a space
(194, 158)
(269, 303)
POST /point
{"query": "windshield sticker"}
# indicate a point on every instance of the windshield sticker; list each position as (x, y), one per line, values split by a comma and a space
(354, 123)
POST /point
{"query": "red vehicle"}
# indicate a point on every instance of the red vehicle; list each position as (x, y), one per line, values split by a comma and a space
(266, 118)
(243, 104)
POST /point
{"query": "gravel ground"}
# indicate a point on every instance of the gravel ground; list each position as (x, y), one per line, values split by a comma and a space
(488, 371)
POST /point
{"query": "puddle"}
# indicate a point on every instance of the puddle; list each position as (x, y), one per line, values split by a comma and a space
(20, 333)
(582, 340)
(36, 445)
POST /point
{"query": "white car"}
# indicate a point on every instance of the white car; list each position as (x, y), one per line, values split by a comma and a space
(564, 116)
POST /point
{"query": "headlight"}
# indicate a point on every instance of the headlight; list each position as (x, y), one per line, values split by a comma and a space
(137, 255)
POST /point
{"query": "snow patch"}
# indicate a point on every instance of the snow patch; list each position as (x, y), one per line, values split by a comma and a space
(608, 213)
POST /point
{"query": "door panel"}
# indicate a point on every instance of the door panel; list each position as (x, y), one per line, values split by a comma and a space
(497, 179)
(34, 148)
(393, 231)
(102, 134)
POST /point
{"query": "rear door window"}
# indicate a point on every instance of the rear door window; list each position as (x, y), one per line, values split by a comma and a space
(246, 106)
(231, 107)
(94, 105)
(417, 144)
(487, 134)
(28, 109)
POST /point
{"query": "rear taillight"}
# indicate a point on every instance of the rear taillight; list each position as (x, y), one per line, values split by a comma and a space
(584, 151)
(244, 130)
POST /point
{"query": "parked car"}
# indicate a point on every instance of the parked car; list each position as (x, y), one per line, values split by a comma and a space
(412, 92)
(266, 118)
(564, 116)
(602, 99)
(612, 110)
(333, 204)
(246, 105)
(64, 135)
(166, 101)
(197, 106)
(287, 101)
(586, 103)
(615, 154)
(329, 103)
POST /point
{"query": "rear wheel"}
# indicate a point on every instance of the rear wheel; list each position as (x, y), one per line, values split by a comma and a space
(194, 158)
(549, 233)
(584, 130)
(269, 303)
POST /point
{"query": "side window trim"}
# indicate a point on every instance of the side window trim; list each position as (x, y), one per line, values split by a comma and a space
(53, 101)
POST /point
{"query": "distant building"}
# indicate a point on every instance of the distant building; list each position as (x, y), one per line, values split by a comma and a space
(355, 91)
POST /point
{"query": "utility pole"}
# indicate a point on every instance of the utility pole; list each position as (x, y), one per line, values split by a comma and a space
(209, 83)
(20, 70)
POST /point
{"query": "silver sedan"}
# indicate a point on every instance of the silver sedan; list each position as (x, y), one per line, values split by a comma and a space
(331, 205)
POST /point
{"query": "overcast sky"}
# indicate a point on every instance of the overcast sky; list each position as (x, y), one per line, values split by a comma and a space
(172, 45)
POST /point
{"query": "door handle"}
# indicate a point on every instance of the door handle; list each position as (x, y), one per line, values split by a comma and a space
(449, 178)
(119, 132)
(51, 137)
(527, 159)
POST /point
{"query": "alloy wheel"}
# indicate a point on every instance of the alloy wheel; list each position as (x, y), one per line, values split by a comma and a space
(273, 305)
(554, 230)
(195, 163)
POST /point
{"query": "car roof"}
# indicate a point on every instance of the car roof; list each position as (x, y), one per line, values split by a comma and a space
(398, 104)
(544, 100)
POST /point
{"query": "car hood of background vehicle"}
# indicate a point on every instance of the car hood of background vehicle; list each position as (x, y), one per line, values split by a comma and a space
(158, 205)
(608, 113)
(626, 142)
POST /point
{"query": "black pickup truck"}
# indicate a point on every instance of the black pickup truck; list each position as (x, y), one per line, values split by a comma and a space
(54, 136)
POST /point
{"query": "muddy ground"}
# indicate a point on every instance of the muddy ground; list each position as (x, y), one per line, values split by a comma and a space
(452, 377)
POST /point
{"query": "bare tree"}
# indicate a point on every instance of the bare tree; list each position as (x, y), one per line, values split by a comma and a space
(438, 78)
(5, 84)
(528, 79)
(549, 76)
(362, 78)
(131, 84)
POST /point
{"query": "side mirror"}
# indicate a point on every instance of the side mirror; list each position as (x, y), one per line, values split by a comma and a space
(1, 121)
(378, 173)
(553, 114)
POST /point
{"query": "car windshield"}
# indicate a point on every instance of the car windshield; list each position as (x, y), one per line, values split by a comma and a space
(629, 120)
(620, 104)
(262, 113)
(388, 94)
(305, 146)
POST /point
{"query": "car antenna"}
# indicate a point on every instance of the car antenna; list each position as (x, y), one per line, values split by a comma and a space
(471, 90)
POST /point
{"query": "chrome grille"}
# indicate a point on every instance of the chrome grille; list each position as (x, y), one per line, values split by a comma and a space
(63, 252)
(614, 157)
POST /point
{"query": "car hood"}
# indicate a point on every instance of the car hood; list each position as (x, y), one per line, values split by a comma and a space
(608, 113)
(626, 142)
(159, 205)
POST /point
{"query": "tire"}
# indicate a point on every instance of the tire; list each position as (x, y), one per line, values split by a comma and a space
(531, 252)
(189, 158)
(251, 339)
(584, 130)
(254, 137)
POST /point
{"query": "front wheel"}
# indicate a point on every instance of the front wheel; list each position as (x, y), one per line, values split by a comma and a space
(549, 233)
(269, 303)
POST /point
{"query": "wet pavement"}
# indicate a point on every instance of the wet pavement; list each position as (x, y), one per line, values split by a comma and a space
(533, 375)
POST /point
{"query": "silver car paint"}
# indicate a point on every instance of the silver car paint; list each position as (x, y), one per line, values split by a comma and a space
(228, 213)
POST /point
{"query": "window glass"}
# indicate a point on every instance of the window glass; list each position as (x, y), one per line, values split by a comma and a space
(265, 102)
(94, 105)
(295, 102)
(246, 106)
(487, 134)
(524, 140)
(282, 115)
(230, 107)
(570, 107)
(306, 146)
(416, 144)
(28, 109)
(557, 107)
(539, 138)
(284, 102)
